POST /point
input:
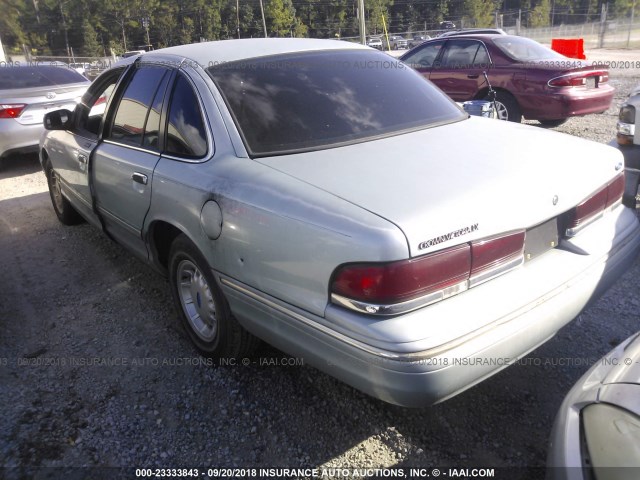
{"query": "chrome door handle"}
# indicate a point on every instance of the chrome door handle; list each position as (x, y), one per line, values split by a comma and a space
(139, 177)
(82, 158)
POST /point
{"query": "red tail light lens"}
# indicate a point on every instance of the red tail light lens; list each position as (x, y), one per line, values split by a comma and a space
(396, 282)
(615, 190)
(102, 99)
(11, 111)
(579, 79)
(382, 287)
(591, 208)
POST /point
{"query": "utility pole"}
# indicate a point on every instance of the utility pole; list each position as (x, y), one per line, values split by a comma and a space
(264, 23)
(363, 26)
(66, 36)
(238, 16)
(145, 24)
(633, 7)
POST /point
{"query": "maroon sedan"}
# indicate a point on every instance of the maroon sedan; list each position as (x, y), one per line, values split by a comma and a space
(530, 79)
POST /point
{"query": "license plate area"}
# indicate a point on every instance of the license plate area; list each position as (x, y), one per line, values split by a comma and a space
(591, 82)
(541, 239)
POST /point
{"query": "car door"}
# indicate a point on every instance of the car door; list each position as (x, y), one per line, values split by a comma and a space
(124, 161)
(70, 150)
(458, 71)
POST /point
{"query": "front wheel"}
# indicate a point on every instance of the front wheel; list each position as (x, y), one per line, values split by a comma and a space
(202, 307)
(63, 208)
(507, 107)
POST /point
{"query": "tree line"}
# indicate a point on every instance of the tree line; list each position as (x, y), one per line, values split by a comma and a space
(102, 27)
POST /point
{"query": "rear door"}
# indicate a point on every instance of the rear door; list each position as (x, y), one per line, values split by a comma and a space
(458, 71)
(123, 163)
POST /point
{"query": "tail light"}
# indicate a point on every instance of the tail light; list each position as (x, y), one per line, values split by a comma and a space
(593, 207)
(626, 127)
(398, 287)
(579, 79)
(11, 110)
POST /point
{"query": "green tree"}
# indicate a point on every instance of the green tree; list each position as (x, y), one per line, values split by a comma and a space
(91, 47)
(280, 17)
(539, 16)
(478, 13)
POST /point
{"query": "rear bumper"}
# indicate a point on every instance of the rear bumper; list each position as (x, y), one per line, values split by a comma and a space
(434, 353)
(566, 103)
(17, 138)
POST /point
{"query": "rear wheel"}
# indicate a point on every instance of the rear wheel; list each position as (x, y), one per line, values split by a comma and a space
(201, 305)
(553, 123)
(64, 211)
(507, 107)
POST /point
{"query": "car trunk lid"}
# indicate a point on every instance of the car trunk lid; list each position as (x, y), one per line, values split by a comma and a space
(40, 100)
(455, 183)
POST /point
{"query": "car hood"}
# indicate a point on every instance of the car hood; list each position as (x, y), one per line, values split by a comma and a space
(471, 179)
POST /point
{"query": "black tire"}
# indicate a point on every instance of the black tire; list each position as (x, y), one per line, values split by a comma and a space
(64, 210)
(508, 108)
(553, 123)
(204, 312)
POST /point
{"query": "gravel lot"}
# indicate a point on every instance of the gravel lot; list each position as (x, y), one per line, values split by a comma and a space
(72, 301)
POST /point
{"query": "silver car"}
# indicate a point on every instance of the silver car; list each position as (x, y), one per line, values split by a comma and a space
(596, 434)
(323, 197)
(26, 94)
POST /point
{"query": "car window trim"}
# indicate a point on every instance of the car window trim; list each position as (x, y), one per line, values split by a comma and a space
(446, 43)
(84, 133)
(203, 115)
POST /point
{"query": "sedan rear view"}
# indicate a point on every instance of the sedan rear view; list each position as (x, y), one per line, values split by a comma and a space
(26, 94)
(327, 199)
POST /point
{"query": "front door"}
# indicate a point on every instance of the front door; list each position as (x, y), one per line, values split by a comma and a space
(124, 162)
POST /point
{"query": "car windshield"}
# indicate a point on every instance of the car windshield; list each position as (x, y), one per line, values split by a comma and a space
(524, 49)
(41, 76)
(312, 100)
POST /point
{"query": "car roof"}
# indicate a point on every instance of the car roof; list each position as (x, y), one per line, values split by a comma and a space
(210, 53)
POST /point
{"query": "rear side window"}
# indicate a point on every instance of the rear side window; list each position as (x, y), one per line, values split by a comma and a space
(40, 76)
(313, 100)
(133, 111)
(186, 136)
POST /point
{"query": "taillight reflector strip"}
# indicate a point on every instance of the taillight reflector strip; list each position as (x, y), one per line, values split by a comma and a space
(593, 207)
(396, 282)
(398, 287)
(492, 257)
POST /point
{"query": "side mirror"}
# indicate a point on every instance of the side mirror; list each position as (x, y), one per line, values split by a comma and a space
(57, 120)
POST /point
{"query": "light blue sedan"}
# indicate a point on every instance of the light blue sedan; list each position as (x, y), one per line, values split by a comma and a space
(326, 198)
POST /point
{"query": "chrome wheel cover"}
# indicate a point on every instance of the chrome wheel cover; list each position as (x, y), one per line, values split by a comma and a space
(503, 113)
(56, 192)
(196, 300)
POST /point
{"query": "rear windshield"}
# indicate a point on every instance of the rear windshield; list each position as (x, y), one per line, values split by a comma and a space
(524, 49)
(39, 76)
(312, 100)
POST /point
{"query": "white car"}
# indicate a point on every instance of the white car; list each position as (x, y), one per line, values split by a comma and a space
(324, 197)
(596, 434)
